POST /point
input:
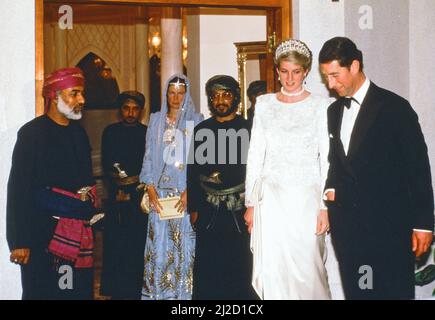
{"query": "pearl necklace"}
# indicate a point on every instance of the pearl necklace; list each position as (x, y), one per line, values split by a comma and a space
(288, 94)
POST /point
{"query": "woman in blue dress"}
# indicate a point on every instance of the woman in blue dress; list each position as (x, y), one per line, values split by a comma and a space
(170, 244)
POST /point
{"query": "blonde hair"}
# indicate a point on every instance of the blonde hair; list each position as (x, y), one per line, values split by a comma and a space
(296, 58)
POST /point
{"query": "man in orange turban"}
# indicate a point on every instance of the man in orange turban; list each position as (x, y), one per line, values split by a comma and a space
(69, 79)
(50, 200)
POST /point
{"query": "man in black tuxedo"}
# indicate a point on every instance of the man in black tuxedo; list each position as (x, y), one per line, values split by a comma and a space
(378, 191)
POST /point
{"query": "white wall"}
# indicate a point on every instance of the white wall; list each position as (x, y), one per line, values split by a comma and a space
(17, 106)
(316, 21)
(384, 40)
(217, 53)
(422, 68)
(422, 82)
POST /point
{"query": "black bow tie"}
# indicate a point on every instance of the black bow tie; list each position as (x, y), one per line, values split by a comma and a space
(347, 102)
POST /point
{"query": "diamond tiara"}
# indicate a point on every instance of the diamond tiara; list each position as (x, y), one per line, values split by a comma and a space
(292, 45)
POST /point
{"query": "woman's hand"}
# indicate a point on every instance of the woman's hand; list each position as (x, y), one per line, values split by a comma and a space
(154, 199)
(181, 205)
(249, 218)
(322, 222)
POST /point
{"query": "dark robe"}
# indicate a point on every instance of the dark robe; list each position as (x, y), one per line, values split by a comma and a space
(46, 154)
(125, 223)
(223, 260)
(251, 113)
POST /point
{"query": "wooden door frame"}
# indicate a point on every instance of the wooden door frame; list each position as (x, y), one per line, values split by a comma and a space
(281, 12)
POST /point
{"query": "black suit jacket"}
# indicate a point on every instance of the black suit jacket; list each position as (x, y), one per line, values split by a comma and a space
(383, 185)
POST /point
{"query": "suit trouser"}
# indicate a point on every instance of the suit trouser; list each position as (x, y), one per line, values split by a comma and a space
(377, 276)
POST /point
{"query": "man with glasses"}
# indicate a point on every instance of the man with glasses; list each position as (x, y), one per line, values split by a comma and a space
(215, 183)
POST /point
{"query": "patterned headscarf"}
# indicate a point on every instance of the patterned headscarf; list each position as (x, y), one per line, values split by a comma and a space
(61, 79)
(186, 113)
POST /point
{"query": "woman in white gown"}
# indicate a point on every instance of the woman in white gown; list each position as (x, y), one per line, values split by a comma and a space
(287, 167)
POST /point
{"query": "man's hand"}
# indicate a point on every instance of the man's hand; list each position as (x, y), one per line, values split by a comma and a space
(249, 218)
(421, 242)
(20, 256)
(330, 196)
(154, 199)
(182, 204)
(193, 218)
(322, 222)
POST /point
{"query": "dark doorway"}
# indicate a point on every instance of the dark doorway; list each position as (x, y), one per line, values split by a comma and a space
(101, 87)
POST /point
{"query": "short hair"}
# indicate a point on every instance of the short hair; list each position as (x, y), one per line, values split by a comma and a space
(256, 87)
(341, 49)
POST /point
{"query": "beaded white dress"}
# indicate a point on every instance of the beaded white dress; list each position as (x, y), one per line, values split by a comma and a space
(286, 170)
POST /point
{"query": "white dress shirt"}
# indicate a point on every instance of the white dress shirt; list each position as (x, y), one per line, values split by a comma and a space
(349, 115)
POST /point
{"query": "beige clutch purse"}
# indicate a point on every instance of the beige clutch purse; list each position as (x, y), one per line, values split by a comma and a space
(145, 203)
(169, 211)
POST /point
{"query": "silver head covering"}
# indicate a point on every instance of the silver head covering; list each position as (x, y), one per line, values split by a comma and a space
(186, 113)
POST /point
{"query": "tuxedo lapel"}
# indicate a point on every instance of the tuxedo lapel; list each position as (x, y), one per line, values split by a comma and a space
(366, 116)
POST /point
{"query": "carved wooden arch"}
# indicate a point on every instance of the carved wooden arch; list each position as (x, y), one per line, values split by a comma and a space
(97, 51)
(278, 16)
